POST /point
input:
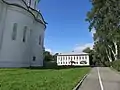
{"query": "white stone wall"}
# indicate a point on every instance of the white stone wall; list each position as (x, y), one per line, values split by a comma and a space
(36, 47)
(20, 2)
(1, 22)
(16, 53)
(66, 60)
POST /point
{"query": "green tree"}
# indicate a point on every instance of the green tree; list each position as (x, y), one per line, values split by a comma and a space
(55, 56)
(47, 56)
(91, 53)
(104, 18)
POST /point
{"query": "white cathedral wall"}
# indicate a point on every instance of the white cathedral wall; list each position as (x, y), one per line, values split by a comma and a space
(1, 20)
(36, 48)
(19, 2)
(16, 53)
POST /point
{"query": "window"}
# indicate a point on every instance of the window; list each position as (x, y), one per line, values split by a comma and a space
(35, 5)
(14, 33)
(66, 62)
(40, 40)
(24, 33)
(61, 62)
(82, 57)
(69, 57)
(66, 57)
(77, 62)
(34, 58)
(85, 57)
(79, 57)
(74, 57)
(63, 58)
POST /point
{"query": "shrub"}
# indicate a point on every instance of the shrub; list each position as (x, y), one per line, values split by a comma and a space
(50, 64)
(107, 63)
(116, 65)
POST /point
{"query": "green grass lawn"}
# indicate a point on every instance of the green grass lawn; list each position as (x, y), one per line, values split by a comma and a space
(40, 79)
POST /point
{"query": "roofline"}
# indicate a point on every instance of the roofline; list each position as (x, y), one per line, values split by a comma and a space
(17, 5)
(74, 54)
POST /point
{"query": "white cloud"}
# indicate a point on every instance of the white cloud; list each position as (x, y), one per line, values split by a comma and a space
(49, 50)
(80, 48)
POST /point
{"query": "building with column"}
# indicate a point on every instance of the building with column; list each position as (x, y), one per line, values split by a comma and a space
(22, 30)
(75, 59)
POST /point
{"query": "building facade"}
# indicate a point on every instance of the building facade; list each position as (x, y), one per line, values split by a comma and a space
(22, 30)
(75, 59)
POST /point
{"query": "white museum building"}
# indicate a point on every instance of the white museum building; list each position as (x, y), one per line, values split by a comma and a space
(73, 58)
(22, 30)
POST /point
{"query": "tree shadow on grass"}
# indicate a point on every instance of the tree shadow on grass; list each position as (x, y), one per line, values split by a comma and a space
(55, 67)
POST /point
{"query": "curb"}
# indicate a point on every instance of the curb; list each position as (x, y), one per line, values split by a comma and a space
(80, 83)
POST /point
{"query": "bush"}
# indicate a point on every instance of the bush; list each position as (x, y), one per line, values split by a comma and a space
(116, 65)
(50, 64)
(107, 63)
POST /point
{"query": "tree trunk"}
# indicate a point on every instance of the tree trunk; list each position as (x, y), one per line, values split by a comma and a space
(116, 50)
(108, 55)
(112, 51)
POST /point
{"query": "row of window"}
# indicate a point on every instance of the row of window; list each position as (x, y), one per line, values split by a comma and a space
(14, 34)
(72, 57)
(69, 60)
(83, 62)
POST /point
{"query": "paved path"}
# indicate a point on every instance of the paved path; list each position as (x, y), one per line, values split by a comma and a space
(102, 78)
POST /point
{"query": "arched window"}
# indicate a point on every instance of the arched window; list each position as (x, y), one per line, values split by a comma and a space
(79, 57)
(14, 33)
(24, 33)
(34, 58)
(74, 57)
(35, 5)
(40, 40)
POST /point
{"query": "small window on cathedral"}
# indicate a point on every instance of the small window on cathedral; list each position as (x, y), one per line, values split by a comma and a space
(34, 58)
(14, 33)
(35, 5)
(40, 40)
(24, 33)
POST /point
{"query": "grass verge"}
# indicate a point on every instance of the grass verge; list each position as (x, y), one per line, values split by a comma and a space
(41, 79)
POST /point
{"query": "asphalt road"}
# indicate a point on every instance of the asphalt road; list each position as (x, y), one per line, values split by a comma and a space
(101, 78)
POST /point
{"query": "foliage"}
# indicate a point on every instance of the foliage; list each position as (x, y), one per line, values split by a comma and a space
(116, 65)
(91, 55)
(47, 56)
(40, 79)
(50, 64)
(87, 50)
(55, 56)
(104, 18)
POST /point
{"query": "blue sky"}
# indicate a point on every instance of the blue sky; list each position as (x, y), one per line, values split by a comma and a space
(67, 29)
